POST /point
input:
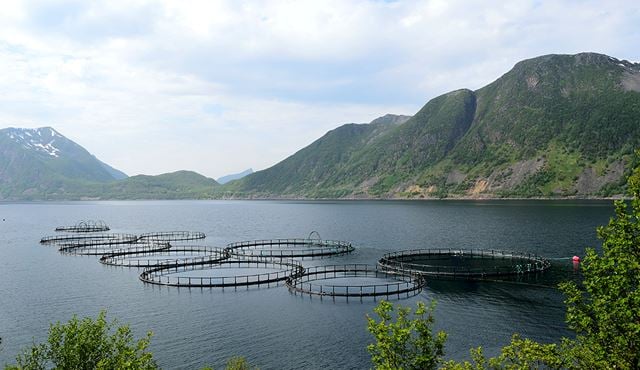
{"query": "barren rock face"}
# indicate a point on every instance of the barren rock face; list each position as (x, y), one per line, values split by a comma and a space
(590, 182)
(455, 177)
(631, 81)
(515, 174)
(479, 187)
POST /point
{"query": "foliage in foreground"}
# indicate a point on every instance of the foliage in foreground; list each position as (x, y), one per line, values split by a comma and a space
(88, 344)
(96, 344)
(236, 363)
(603, 310)
(407, 343)
(239, 363)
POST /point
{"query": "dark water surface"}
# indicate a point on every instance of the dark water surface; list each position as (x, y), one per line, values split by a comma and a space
(271, 327)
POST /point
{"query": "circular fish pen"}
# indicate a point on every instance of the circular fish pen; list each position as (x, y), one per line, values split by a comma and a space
(78, 239)
(289, 248)
(98, 245)
(151, 256)
(192, 272)
(172, 236)
(88, 226)
(463, 263)
(355, 281)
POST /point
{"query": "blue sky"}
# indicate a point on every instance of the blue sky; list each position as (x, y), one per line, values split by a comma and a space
(221, 86)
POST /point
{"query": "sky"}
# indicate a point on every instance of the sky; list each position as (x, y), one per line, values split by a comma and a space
(221, 86)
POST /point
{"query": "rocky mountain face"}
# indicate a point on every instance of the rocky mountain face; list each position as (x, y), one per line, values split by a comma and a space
(555, 125)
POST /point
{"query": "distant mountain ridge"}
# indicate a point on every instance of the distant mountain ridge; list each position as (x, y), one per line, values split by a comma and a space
(173, 185)
(235, 176)
(42, 164)
(555, 125)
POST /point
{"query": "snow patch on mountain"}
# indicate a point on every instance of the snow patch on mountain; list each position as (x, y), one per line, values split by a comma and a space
(39, 139)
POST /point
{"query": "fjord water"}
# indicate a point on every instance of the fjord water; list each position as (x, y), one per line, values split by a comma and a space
(271, 327)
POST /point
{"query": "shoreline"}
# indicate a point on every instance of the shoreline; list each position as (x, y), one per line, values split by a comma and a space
(350, 199)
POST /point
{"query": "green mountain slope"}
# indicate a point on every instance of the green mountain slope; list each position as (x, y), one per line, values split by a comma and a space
(115, 173)
(556, 125)
(313, 169)
(174, 185)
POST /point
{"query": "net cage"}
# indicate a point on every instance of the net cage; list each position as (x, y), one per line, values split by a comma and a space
(463, 263)
(355, 281)
(154, 256)
(85, 226)
(68, 239)
(289, 248)
(170, 274)
(172, 236)
(101, 246)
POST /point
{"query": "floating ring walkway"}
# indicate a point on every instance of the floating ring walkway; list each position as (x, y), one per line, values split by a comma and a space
(172, 236)
(161, 275)
(89, 239)
(97, 246)
(88, 226)
(396, 285)
(289, 248)
(152, 256)
(462, 263)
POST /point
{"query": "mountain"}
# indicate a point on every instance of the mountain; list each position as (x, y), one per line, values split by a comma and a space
(555, 125)
(36, 162)
(42, 164)
(174, 185)
(225, 179)
(116, 174)
(316, 169)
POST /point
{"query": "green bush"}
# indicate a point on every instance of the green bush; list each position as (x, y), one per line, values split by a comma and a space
(88, 344)
(407, 343)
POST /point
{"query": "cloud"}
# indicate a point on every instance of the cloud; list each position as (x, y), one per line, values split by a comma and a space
(220, 86)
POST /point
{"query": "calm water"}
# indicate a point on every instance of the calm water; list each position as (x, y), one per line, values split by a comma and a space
(271, 327)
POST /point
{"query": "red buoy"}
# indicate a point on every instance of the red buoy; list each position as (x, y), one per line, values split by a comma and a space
(576, 259)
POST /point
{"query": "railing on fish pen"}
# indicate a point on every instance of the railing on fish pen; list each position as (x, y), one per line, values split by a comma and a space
(395, 286)
(172, 236)
(289, 248)
(463, 263)
(161, 275)
(86, 226)
(179, 255)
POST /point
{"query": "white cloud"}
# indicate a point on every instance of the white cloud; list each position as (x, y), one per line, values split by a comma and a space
(220, 86)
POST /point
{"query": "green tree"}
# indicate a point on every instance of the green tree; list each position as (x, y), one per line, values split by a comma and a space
(604, 309)
(520, 354)
(235, 363)
(406, 343)
(238, 363)
(88, 344)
